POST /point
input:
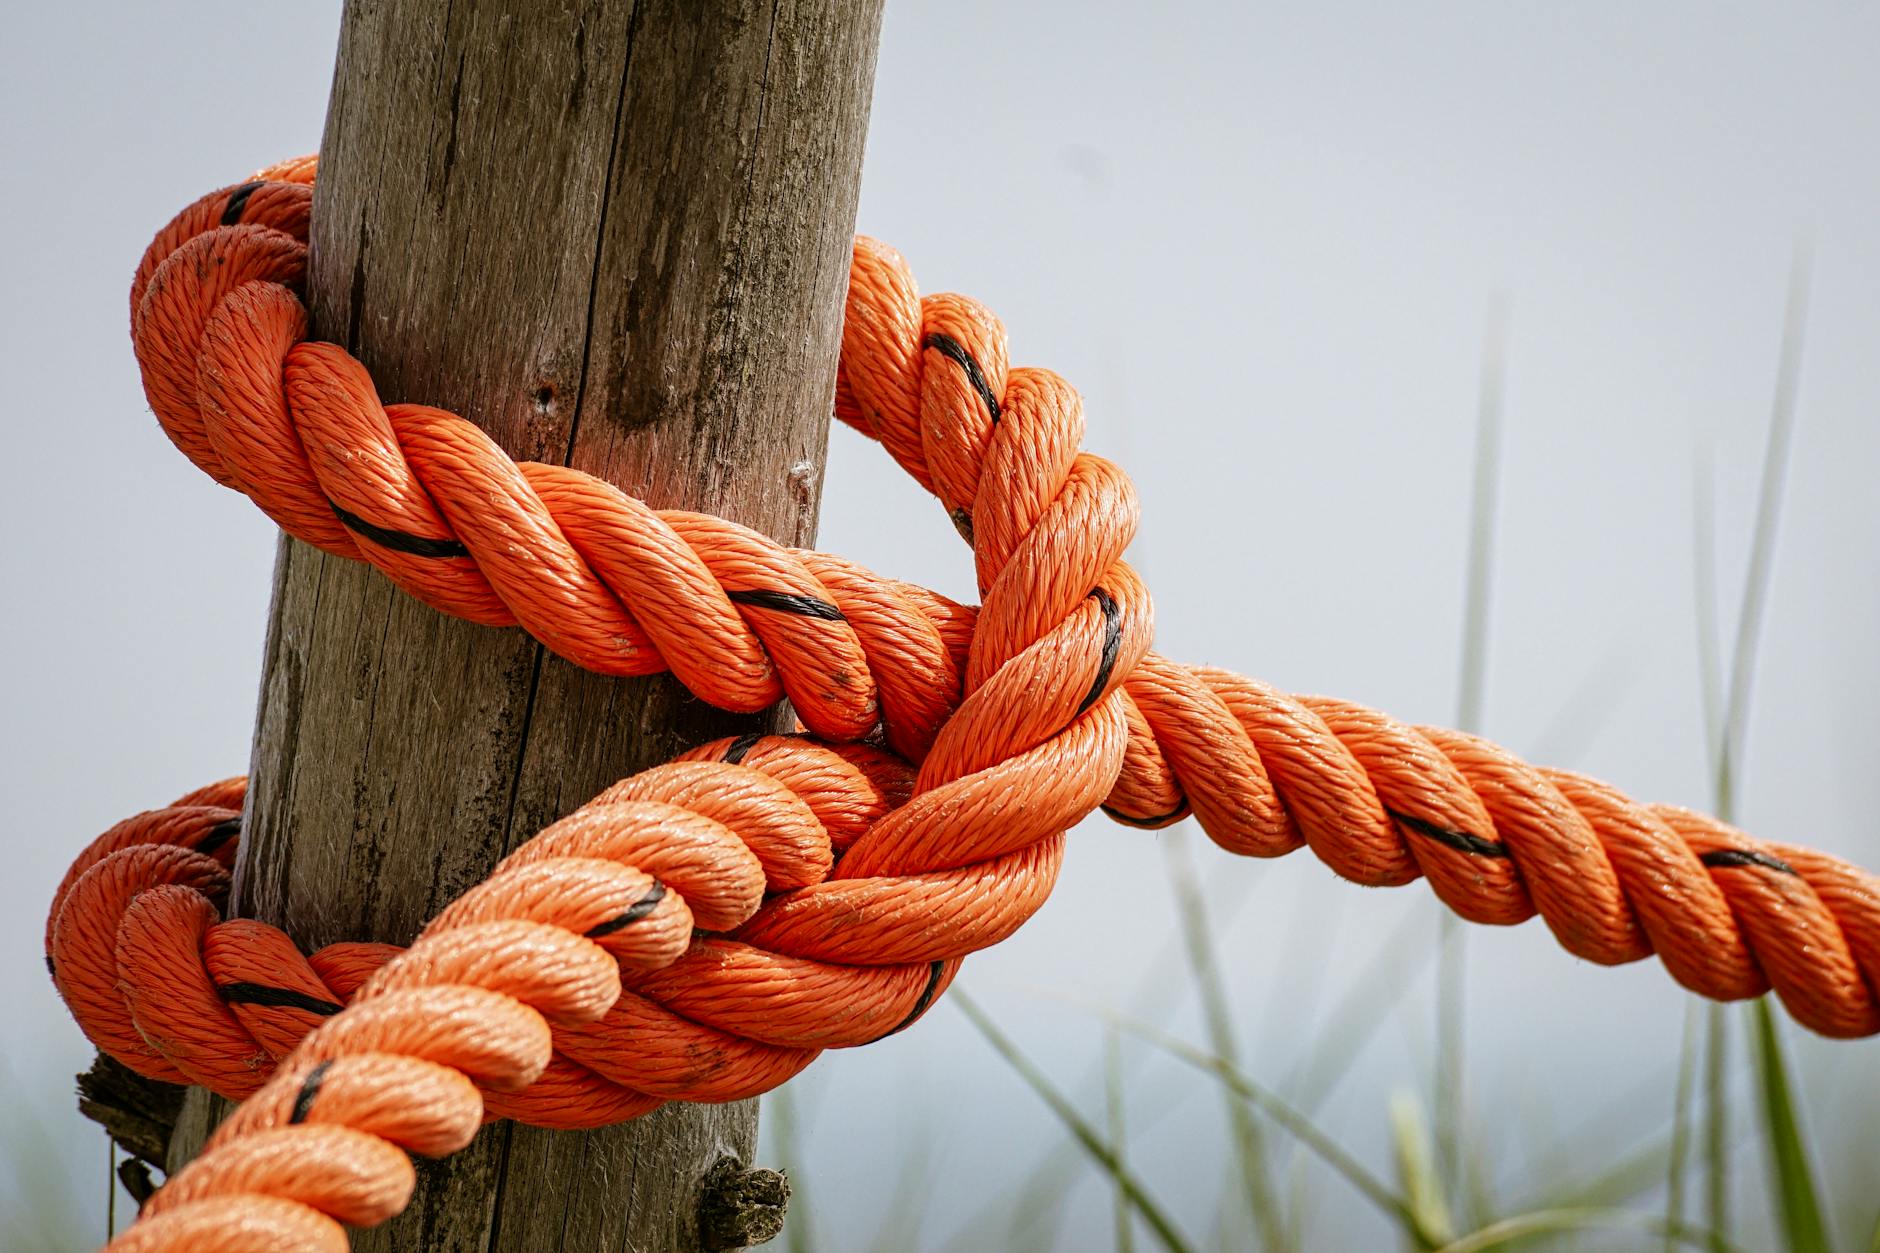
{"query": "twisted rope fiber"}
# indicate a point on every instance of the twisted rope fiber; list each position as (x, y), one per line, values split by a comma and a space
(1022, 716)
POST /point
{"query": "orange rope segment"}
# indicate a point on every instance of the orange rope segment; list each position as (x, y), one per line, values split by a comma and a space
(702, 930)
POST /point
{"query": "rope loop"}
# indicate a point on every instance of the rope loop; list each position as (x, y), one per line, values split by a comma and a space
(701, 930)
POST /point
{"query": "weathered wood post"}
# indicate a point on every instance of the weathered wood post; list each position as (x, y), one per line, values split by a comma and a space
(615, 236)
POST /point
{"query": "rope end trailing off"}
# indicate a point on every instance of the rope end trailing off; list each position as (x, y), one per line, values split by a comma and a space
(740, 1208)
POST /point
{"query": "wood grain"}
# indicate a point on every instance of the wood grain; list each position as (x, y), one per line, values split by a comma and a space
(615, 236)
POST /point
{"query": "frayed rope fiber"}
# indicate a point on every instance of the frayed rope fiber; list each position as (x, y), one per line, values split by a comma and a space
(702, 930)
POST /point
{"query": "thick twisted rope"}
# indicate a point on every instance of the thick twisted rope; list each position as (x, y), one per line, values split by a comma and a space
(175, 994)
(1022, 716)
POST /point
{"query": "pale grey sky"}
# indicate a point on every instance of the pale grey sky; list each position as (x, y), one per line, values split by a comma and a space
(1263, 241)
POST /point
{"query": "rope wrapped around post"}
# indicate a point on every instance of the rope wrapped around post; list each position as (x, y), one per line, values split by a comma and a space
(701, 930)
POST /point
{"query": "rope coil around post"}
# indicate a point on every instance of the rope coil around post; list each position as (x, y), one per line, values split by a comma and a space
(835, 884)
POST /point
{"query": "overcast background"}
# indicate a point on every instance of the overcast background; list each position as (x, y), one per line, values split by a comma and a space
(1263, 240)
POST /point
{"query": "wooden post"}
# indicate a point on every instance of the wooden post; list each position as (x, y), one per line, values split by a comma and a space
(615, 236)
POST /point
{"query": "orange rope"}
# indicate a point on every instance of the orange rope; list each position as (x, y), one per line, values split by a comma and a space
(701, 930)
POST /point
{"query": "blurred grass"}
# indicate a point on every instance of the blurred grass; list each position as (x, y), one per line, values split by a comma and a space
(1205, 972)
(1105, 1153)
(1522, 1227)
(1114, 1103)
(1726, 717)
(1040, 1190)
(42, 1208)
(1716, 1119)
(1794, 1182)
(913, 1193)
(1449, 1097)
(1284, 1115)
(1681, 1120)
(781, 1123)
(1367, 1003)
(1424, 1188)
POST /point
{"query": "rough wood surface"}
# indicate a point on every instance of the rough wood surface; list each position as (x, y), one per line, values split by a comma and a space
(138, 1113)
(615, 236)
(742, 1207)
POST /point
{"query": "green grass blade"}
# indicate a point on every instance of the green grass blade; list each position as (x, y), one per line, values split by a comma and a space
(1710, 682)
(1763, 542)
(1452, 970)
(1205, 969)
(1792, 1175)
(1451, 1045)
(1416, 1167)
(1550, 1221)
(1681, 1122)
(1100, 1150)
(1299, 1196)
(1481, 559)
(1716, 1124)
(1704, 595)
(1792, 1172)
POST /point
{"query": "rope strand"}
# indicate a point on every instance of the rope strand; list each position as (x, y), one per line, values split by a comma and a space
(701, 930)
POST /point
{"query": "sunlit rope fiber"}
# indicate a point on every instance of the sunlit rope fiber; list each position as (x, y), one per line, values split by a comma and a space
(701, 930)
